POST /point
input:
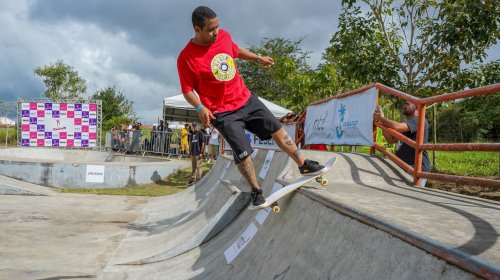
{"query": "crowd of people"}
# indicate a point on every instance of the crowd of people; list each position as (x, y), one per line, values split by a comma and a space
(164, 140)
(126, 137)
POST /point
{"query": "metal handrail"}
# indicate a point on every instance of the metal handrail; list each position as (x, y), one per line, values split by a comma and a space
(418, 145)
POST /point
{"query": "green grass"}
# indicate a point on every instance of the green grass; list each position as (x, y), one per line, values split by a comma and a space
(172, 184)
(11, 139)
(474, 164)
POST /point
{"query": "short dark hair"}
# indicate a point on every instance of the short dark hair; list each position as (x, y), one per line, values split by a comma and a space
(201, 14)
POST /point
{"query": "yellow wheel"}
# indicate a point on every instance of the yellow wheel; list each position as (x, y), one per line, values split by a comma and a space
(276, 209)
(324, 182)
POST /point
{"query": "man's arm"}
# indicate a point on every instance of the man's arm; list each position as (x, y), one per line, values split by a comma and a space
(205, 115)
(401, 127)
(248, 55)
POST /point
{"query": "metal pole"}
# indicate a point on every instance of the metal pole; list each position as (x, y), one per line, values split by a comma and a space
(419, 141)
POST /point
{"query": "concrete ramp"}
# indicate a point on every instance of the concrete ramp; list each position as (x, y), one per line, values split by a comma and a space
(10, 186)
(175, 224)
(367, 223)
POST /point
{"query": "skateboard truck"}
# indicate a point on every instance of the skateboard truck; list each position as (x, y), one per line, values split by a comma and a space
(321, 180)
(276, 208)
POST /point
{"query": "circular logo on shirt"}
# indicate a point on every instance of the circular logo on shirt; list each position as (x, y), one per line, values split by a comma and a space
(223, 67)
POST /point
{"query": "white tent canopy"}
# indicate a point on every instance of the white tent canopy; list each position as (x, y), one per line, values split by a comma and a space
(176, 108)
(6, 121)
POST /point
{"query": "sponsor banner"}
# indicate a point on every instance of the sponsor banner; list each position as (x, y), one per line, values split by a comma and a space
(95, 174)
(346, 121)
(255, 141)
(45, 122)
(42, 123)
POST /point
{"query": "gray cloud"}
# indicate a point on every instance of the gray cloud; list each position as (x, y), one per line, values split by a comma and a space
(133, 45)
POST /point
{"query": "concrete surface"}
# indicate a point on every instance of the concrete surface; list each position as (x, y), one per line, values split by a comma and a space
(367, 223)
(62, 236)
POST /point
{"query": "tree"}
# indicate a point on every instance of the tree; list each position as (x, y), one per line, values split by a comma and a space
(423, 41)
(274, 83)
(359, 52)
(61, 80)
(478, 117)
(115, 107)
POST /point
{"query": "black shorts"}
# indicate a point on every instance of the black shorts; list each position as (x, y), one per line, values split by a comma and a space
(254, 117)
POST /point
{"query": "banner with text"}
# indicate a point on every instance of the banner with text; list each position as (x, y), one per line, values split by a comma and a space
(346, 121)
(58, 125)
(255, 141)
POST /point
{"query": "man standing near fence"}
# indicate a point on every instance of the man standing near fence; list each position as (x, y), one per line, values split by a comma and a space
(408, 129)
(196, 151)
(213, 144)
(184, 139)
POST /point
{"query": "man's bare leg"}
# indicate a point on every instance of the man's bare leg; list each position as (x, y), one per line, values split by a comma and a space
(247, 169)
(285, 142)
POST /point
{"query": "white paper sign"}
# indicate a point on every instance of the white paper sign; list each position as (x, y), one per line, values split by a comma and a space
(95, 174)
(346, 121)
(267, 164)
(232, 252)
(263, 213)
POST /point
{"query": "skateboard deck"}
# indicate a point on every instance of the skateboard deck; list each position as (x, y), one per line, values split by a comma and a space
(271, 200)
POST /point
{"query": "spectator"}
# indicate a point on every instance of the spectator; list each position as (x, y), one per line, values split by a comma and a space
(206, 131)
(152, 140)
(408, 129)
(123, 136)
(185, 140)
(162, 137)
(213, 144)
(196, 149)
(136, 136)
(168, 137)
(114, 138)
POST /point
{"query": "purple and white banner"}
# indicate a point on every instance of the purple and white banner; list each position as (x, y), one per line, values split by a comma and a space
(58, 124)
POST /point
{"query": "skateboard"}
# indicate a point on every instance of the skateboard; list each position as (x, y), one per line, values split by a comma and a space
(272, 200)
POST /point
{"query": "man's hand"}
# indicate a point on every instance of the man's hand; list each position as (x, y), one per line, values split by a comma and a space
(205, 116)
(378, 115)
(266, 61)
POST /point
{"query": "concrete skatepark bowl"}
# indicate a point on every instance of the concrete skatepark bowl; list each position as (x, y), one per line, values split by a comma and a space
(367, 223)
(70, 168)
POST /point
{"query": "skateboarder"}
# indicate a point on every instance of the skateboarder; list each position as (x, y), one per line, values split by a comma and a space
(206, 65)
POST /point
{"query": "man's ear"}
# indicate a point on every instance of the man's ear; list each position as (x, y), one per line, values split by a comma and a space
(197, 29)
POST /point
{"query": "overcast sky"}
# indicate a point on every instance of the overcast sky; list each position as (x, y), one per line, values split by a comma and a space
(133, 45)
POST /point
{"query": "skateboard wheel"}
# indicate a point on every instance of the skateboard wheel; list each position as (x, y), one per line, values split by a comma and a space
(276, 209)
(324, 182)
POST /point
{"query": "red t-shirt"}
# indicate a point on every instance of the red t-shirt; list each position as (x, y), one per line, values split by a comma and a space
(211, 72)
